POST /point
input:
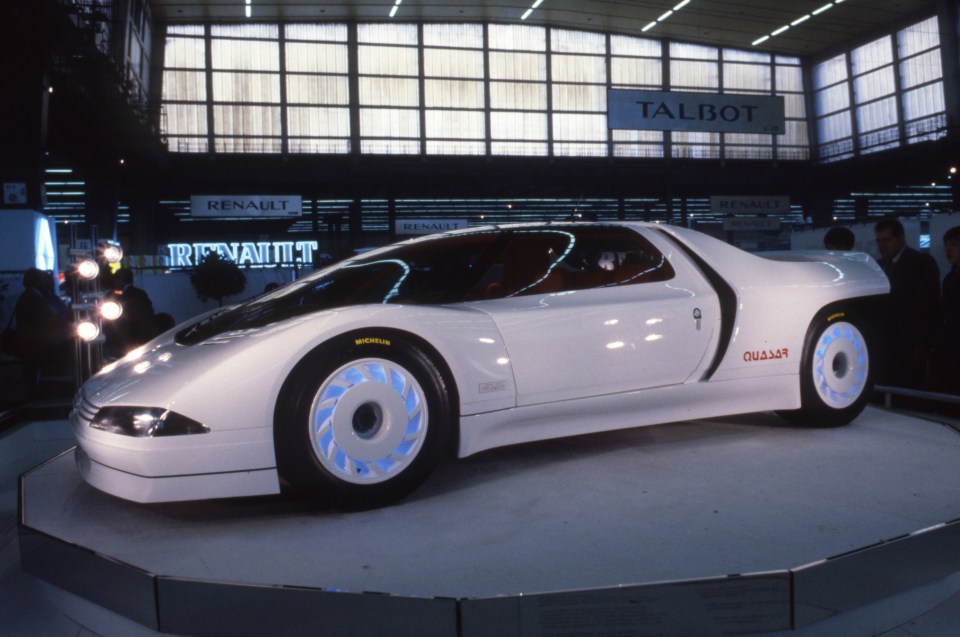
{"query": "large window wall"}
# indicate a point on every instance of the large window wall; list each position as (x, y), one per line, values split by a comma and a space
(881, 95)
(451, 89)
(733, 71)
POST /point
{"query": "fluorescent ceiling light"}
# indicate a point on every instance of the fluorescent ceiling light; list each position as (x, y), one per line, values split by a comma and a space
(526, 14)
(666, 15)
(799, 20)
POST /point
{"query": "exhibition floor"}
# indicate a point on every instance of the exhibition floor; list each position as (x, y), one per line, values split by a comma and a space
(685, 501)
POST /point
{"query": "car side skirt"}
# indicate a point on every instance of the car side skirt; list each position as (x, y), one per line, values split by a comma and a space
(627, 410)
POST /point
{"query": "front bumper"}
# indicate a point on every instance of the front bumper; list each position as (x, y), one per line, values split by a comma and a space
(176, 488)
(218, 464)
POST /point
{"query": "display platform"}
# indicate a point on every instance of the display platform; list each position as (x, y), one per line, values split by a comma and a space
(743, 525)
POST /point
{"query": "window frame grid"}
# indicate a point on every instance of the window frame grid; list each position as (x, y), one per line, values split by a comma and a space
(550, 108)
(906, 129)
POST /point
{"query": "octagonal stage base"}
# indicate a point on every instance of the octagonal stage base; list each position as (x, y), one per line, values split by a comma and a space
(742, 525)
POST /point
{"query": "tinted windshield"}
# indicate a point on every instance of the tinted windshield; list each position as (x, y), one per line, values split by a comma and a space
(484, 264)
(436, 270)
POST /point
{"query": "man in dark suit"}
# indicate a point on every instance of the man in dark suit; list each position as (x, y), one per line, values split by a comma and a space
(136, 324)
(945, 370)
(909, 312)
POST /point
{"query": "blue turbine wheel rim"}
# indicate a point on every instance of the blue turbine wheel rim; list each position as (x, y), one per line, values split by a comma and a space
(840, 365)
(368, 421)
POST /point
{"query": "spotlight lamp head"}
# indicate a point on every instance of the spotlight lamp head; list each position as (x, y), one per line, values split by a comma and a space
(88, 269)
(112, 253)
(110, 310)
(88, 330)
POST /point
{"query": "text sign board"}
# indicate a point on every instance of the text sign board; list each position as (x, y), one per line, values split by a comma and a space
(701, 112)
(754, 224)
(734, 205)
(428, 226)
(15, 193)
(246, 205)
(254, 254)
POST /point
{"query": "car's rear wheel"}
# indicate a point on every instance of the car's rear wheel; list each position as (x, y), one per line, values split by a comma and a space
(836, 375)
(361, 423)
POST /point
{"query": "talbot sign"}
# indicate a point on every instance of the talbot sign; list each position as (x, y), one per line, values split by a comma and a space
(703, 112)
(245, 206)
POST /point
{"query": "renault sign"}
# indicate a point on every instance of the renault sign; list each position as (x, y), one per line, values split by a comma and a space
(701, 112)
(245, 206)
(428, 226)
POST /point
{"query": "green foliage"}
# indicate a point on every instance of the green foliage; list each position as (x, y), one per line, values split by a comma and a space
(216, 277)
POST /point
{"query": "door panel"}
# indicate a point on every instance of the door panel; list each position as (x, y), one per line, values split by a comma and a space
(588, 342)
(598, 309)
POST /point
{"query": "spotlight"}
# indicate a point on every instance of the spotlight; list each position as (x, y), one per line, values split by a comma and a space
(112, 253)
(88, 330)
(110, 310)
(88, 269)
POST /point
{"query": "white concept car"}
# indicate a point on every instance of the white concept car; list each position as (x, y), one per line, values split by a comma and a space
(351, 383)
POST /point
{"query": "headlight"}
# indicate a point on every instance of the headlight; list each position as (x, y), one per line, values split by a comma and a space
(145, 422)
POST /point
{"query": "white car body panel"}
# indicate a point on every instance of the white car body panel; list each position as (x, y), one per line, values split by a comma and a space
(778, 296)
(624, 342)
(524, 368)
(620, 411)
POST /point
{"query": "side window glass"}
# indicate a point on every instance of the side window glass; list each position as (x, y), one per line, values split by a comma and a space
(565, 258)
(609, 256)
(443, 270)
(530, 263)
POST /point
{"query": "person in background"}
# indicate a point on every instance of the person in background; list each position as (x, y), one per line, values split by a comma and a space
(839, 238)
(908, 315)
(136, 325)
(945, 368)
(163, 321)
(43, 329)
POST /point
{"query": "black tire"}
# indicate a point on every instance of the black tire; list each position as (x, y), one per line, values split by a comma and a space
(361, 422)
(836, 371)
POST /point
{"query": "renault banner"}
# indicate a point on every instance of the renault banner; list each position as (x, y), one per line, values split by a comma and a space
(246, 206)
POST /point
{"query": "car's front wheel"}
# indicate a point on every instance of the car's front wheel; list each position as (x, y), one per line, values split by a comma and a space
(836, 375)
(361, 423)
